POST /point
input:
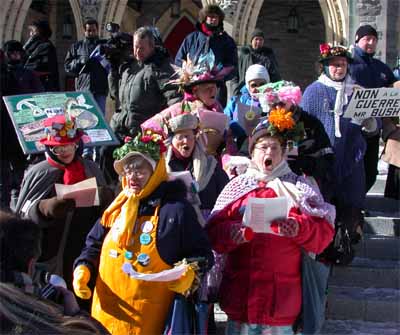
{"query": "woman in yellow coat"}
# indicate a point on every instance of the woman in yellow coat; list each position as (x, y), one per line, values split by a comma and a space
(148, 228)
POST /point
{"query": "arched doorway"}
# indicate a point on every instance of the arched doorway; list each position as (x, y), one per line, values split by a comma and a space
(174, 39)
(296, 52)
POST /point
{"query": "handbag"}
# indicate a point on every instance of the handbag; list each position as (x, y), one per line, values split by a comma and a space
(314, 276)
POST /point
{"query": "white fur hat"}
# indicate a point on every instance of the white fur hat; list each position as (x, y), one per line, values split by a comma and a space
(256, 71)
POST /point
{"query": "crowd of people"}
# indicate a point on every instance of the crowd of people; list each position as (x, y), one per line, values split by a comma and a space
(175, 230)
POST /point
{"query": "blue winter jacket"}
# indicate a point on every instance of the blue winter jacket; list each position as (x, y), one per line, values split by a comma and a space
(370, 72)
(197, 43)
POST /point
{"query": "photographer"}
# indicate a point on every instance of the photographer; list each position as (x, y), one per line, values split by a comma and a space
(90, 75)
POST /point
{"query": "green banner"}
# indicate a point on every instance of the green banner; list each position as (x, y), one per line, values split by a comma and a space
(28, 112)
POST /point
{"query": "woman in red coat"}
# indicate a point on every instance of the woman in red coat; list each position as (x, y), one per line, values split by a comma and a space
(261, 283)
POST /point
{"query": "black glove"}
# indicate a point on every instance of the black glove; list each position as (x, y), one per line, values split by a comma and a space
(106, 196)
(55, 208)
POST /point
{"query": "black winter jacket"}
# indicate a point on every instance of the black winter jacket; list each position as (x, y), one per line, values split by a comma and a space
(248, 56)
(42, 58)
(88, 72)
(139, 89)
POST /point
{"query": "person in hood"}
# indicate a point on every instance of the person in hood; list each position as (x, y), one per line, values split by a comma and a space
(15, 79)
(255, 53)
(369, 72)
(210, 34)
(42, 55)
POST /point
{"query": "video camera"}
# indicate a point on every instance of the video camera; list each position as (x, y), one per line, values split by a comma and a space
(118, 47)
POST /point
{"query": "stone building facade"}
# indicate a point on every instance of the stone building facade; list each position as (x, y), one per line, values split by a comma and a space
(293, 28)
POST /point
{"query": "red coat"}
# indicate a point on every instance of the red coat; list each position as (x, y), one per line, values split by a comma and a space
(262, 280)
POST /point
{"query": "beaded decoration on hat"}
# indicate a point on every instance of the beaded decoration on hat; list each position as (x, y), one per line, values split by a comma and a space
(327, 51)
(61, 130)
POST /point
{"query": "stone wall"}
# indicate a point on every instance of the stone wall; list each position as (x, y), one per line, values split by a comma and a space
(296, 52)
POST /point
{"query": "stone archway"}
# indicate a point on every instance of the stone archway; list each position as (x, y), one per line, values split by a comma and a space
(12, 17)
(241, 16)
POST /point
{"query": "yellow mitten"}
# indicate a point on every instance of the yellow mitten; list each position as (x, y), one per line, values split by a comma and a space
(184, 283)
(81, 279)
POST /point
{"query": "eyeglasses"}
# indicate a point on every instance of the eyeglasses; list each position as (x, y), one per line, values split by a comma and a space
(62, 149)
(129, 172)
(265, 148)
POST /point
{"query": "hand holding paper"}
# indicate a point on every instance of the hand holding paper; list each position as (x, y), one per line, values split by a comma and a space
(84, 193)
(260, 212)
(285, 227)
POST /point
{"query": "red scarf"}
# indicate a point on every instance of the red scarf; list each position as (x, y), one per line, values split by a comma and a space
(73, 172)
(205, 30)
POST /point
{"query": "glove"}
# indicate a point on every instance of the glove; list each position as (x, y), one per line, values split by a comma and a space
(106, 196)
(369, 125)
(56, 208)
(285, 227)
(184, 283)
(241, 234)
(81, 279)
(83, 59)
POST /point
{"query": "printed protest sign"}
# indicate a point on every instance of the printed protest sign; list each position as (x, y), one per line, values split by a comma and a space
(374, 102)
(28, 112)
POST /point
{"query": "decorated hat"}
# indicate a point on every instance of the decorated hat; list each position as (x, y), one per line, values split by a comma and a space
(205, 70)
(327, 52)
(280, 123)
(61, 130)
(149, 146)
(213, 121)
(280, 91)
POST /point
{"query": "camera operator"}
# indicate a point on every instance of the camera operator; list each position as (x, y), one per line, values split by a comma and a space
(90, 75)
(118, 48)
(138, 88)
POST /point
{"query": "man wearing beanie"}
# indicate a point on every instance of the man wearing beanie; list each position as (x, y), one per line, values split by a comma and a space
(255, 53)
(210, 34)
(369, 72)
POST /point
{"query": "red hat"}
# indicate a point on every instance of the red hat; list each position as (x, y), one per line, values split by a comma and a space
(60, 130)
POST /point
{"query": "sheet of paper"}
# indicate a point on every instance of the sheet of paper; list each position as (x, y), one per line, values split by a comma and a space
(84, 193)
(166, 275)
(260, 212)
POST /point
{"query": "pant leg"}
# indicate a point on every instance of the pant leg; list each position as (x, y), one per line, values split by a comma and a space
(371, 159)
(5, 184)
(392, 188)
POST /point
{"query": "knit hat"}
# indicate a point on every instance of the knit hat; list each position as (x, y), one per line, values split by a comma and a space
(256, 71)
(280, 124)
(61, 130)
(150, 147)
(364, 31)
(257, 33)
(211, 9)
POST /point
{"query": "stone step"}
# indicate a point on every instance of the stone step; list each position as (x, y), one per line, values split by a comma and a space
(349, 327)
(379, 224)
(378, 203)
(379, 247)
(364, 272)
(368, 304)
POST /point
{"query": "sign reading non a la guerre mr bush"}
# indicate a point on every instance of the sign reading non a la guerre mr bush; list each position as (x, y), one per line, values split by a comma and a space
(374, 102)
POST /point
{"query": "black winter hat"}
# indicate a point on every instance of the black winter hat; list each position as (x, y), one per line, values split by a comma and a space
(364, 31)
(257, 33)
(13, 45)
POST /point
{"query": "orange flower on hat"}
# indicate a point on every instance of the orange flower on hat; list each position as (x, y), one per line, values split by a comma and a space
(281, 119)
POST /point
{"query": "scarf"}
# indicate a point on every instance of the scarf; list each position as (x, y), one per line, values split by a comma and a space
(73, 172)
(343, 90)
(203, 164)
(123, 211)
